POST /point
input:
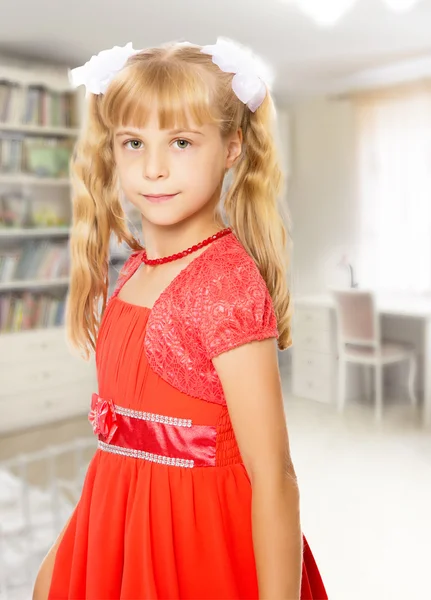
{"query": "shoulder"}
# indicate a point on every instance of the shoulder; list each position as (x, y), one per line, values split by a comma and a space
(129, 263)
(232, 299)
(126, 271)
(230, 270)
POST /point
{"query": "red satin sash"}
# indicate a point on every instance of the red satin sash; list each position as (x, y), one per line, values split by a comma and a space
(158, 438)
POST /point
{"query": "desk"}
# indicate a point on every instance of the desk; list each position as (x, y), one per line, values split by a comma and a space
(314, 330)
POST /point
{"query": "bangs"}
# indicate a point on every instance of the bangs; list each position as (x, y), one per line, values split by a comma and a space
(182, 95)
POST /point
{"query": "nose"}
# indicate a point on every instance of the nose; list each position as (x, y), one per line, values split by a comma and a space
(155, 165)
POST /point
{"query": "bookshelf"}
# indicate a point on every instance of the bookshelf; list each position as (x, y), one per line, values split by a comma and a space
(41, 380)
(39, 130)
(23, 179)
(39, 122)
(28, 232)
(35, 284)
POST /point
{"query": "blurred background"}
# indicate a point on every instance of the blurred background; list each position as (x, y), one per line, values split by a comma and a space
(353, 92)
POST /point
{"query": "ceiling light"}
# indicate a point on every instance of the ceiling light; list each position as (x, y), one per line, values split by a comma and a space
(325, 12)
(400, 5)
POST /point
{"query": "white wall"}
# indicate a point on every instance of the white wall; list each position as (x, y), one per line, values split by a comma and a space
(322, 195)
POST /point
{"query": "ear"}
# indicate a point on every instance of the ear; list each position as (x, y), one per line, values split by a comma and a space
(234, 148)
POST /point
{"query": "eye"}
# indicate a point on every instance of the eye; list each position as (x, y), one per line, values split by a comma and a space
(134, 144)
(182, 144)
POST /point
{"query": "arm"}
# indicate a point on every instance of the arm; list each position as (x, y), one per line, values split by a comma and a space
(250, 378)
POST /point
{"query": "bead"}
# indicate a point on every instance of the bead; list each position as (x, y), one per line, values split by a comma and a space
(159, 261)
(148, 456)
(145, 416)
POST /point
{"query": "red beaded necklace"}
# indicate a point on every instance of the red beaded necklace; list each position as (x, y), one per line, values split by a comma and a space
(166, 259)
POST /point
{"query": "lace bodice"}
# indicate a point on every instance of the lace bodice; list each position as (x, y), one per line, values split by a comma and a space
(218, 302)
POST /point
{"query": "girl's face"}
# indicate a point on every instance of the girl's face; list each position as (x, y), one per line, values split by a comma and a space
(173, 175)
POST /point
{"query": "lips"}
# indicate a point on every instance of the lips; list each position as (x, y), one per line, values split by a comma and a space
(159, 197)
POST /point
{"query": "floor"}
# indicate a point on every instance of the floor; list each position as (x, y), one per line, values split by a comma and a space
(366, 498)
(365, 493)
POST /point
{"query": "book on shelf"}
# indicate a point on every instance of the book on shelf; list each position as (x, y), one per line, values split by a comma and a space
(21, 312)
(40, 156)
(35, 260)
(35, 105)
(11, 153)
(21, 210)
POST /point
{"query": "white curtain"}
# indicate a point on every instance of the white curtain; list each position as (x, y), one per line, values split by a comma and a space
(394, 179)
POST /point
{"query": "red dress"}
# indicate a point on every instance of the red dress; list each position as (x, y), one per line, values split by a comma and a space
(165, 510)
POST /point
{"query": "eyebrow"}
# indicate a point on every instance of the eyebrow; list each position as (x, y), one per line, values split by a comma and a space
(176, 131)
(171, 132)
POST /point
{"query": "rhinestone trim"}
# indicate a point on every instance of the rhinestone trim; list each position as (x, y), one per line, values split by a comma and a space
(137, 414)
(155, 458)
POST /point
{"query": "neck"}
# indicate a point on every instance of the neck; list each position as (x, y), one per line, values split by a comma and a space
(161, 241)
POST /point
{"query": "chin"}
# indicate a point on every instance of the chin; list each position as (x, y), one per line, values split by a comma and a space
(163, 218)
(164, 222)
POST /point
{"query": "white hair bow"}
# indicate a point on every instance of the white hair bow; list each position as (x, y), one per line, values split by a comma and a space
(99, 71)
(252, 76)
(250, 82)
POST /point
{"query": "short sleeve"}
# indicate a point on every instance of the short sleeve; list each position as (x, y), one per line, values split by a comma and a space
(237, 309)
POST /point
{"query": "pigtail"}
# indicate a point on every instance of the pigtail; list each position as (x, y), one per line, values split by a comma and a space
(97, 212)
(252, 209)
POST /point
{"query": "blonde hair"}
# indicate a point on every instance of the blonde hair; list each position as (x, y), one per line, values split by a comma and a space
(181, 81)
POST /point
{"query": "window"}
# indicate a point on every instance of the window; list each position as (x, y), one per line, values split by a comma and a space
(394, 179)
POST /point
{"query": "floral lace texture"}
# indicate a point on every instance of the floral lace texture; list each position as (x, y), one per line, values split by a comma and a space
(218, 302)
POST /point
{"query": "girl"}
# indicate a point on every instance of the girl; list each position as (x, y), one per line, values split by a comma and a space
(192, 492)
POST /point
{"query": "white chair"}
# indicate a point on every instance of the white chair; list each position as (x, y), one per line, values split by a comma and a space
(359, 341)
